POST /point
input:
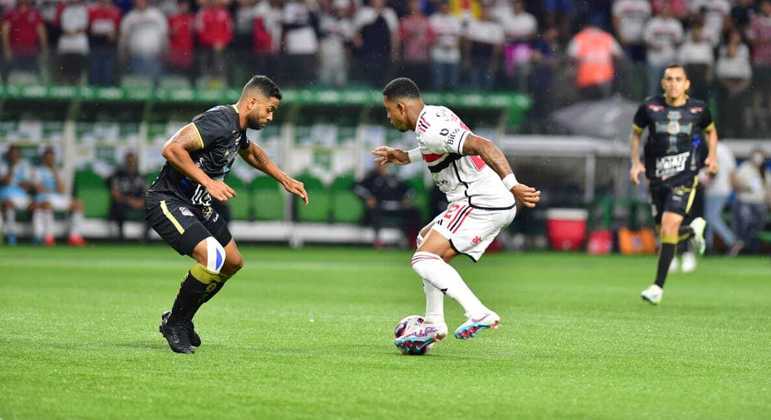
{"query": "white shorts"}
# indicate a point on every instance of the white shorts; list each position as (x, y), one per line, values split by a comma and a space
(469, 230)
(58, 202)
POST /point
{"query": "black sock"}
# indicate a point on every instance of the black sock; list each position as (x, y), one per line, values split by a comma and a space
(665, 259)
(188, 300)
(684, 233)
(214, 290)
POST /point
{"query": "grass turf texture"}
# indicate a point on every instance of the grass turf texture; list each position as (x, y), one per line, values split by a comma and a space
(307, 334)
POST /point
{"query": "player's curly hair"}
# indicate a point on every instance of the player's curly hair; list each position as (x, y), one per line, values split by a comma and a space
(401, 87)
(268, 87)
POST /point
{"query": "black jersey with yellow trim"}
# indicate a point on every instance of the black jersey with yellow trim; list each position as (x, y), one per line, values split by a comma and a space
(675, 143)
(221, 138)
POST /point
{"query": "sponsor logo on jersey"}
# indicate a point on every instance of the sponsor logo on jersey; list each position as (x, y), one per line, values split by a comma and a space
(655, 108)
(671, 165)
(696, 110)
(185, 211)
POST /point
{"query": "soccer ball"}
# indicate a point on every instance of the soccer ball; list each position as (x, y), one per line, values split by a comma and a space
(410, 325)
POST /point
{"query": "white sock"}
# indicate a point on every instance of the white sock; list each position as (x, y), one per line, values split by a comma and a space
(443, 277)
(76, 223)
(10, 221)
(49, 222)
(434, 303)
(37, 223)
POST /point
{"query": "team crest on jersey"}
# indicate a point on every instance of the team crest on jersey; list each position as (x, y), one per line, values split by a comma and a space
(185, 211)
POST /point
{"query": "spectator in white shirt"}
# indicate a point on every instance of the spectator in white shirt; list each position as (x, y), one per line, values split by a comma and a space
(715, 13)
(697, 56)
(301, 45)
(520, 28)
(72, 47)
(718, 190)
(336, 30)
(734, 76)
(753, 186)
(143, 40)
(629, 19)
(662, 35)
(445, 52)
(484, 42)
(376, 41)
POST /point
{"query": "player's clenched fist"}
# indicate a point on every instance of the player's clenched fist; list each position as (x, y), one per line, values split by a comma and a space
(220, 191)
(295, 187)
(385, 155)
(526, 196)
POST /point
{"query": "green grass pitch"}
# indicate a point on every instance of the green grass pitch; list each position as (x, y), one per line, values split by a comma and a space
(307, 334)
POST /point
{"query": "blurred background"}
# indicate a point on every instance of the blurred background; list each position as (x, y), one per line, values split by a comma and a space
(92, 89)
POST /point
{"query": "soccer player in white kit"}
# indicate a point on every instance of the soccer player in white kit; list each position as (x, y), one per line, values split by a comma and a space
(482, 193)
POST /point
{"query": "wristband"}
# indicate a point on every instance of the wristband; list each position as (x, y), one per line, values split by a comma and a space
(415, 155)
(510, 181)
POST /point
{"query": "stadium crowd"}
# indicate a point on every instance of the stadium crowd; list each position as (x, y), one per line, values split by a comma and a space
(557, 50)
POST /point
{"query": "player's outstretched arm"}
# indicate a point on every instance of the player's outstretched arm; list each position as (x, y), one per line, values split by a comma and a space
(385, 155)
(255, 156)
(177, 152)
(495, 159)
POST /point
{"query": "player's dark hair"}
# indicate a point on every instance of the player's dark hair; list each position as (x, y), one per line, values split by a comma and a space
(675, 66)
(401, 87)
(268, 87)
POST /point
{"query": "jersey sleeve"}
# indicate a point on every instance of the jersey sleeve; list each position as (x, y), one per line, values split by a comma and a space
(641, 119)
(706, 123)
(211, 126)
(442, 134)
(244, 142)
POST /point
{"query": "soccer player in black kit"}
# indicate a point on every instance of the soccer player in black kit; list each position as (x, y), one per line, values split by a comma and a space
(178, 203)
(674, 154)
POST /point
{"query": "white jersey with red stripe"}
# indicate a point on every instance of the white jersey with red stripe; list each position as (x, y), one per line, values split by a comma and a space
(441, 135)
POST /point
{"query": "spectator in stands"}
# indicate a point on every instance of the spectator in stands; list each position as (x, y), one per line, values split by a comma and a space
(718, 190)
(741, 13)
(677, 8)
(51, 197)
(376, 42)
(734, 75)
(753, 186)
(559, 14)
(301, 44)
(267, 34)
(24, 38)
(214, 27)
(15, 186)
(715, 13)
(104, 24)
(520, 28)
(181, 56)
(336, 29)
(662, 35)
(127, 192)
(698, 58)
(72, 48)
(483, 47)
(629, 19)
(144, 36)
(466, 10)
(386, 196)
(240, 51)
(445, 51)
(546, 58)
(416, 37)
(593, 51)
(760, 37)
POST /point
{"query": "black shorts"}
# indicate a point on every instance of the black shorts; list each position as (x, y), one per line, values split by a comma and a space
(183, 225)
(673, 196)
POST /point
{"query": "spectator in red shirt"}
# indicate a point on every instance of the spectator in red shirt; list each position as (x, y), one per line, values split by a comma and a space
(24, 37)
(182, 39)
(215, 31)
(103, 29)
(416, 37)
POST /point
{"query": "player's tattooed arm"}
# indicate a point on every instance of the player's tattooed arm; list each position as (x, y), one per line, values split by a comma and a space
(495, 159)
(256, 157)
(177, 152)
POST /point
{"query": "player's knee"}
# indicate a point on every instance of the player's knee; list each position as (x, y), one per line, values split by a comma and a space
(210, 254)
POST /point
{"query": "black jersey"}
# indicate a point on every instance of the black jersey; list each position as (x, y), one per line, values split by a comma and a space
(221, 140)
(675, 146)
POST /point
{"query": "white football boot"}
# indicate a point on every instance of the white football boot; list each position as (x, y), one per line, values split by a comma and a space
(473, 326)
(440, 329)
(652, 294)
(422, 340)
(697, 242)
(689, 262)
